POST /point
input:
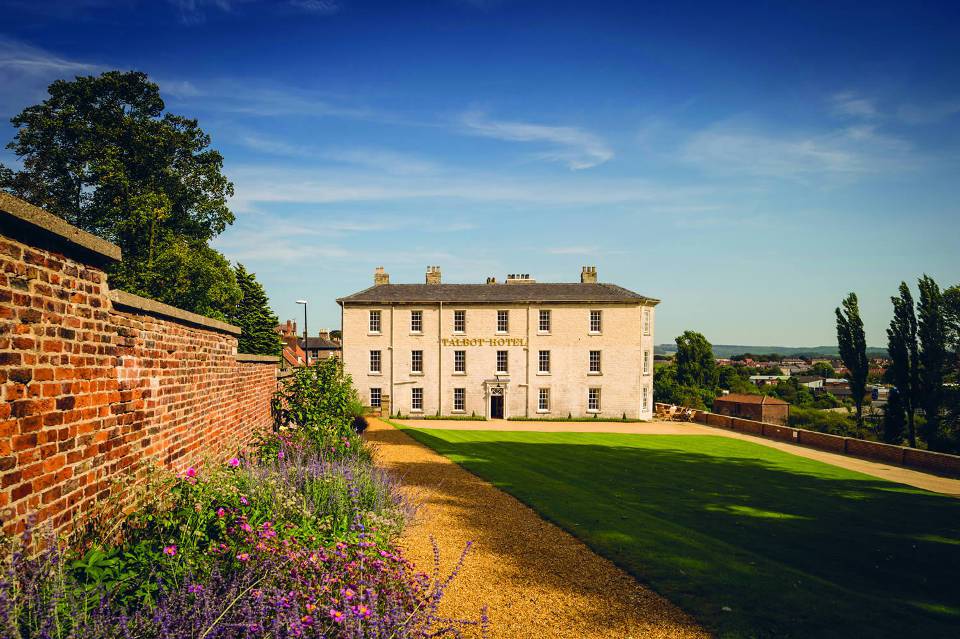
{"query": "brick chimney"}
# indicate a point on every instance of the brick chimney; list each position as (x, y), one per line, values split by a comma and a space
(323, 334)
(433, 275)
(491, 280)
(588, 275)
(380, 277)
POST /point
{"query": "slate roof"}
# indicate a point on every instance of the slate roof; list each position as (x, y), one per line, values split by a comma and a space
(495, 293)
(320, 343)
(743, 398)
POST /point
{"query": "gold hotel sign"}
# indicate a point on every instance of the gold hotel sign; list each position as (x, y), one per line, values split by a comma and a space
(481, 341)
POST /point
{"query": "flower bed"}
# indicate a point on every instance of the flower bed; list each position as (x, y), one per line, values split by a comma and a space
(292, 540)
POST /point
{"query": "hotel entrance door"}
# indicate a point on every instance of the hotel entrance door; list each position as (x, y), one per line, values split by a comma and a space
(496, 407)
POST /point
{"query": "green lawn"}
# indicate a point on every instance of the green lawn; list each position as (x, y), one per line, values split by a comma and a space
(792, 547)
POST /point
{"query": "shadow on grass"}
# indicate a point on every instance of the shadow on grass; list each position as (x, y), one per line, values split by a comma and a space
(750, 540)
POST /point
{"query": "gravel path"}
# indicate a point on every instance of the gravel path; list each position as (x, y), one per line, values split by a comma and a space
(536, 580)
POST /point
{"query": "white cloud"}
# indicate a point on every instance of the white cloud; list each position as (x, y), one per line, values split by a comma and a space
(321, 7)
(576, 148)
(851, 151)
(851, 104)
(26, 71)
(930, 112)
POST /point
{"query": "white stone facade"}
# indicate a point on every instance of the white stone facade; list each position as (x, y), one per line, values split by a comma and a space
(623, 385)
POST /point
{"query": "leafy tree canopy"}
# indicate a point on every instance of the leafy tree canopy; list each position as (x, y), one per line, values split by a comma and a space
(254, 316)
(101, 152)
(695, 363)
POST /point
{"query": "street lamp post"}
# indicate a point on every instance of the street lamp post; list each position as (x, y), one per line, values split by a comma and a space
(306, 355)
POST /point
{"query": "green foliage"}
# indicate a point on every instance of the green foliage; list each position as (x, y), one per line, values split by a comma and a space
(853, 349)
(824, 421)
(822, 369)
(667, 389)
(904, 367)
(894, 419)
(253, 315)
(101, 153)
(932, 357)
(695, 362)
(319, 401)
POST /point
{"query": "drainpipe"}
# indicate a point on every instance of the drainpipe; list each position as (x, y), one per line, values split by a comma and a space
(440, 359)
(393, 398)
(526, 408)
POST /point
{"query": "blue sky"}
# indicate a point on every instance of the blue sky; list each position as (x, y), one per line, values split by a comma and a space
(747, 163)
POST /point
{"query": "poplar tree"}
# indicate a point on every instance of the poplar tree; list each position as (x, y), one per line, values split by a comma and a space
(254, 317)
(853, 350)
(932, 335)
(902, 346)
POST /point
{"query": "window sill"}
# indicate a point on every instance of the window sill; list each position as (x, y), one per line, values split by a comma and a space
(458, 412)
(460, 373)
(594, 373)
(541, 411)
(375, 373)
(501, 373)
(543, 333)
(374, 333)
(416, 373)
(593, 333)
(416, 333)
(502, 333)
(416, 410)
(594, 411)
(543, 373)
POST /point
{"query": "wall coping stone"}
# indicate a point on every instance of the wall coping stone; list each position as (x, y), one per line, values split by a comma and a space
(260, 359)
(153, 307)
(31, 218)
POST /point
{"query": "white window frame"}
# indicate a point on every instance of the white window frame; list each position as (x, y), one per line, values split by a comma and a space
(503, 321)
(460, 362)
(544, 320)
(460, 317)
(416, 399)
(375, 322)
(416, 322)
(593, 400)
(646, 362)
(376, 397)
(506, 363)
(646, 398)
(376, 362)
(596, 322)
(646, 321)
(416, 361)
(543, 357)
(459, 400)
(599, 363)
(543, 400)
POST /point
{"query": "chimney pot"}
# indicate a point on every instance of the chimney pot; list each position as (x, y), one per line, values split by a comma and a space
(380, 277)
(433, 275)
(588, 275)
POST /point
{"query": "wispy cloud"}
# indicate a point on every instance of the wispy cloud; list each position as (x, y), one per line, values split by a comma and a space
(26, 71)
(929, 113)
(572, 250)
(576, 148)
(381, 160)
(321, 7)
(851, 104)
(850, 151)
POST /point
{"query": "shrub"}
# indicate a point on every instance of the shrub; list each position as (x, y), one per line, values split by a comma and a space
(317, 400)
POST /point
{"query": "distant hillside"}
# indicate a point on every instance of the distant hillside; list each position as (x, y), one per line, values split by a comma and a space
(729, 350)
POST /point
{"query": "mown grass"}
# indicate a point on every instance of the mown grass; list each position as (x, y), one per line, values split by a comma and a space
(752, 541)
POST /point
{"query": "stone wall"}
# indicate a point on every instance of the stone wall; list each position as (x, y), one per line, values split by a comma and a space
(925, 460)
(95, 384)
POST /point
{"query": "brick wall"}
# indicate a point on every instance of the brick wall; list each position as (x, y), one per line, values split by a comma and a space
(95, 382)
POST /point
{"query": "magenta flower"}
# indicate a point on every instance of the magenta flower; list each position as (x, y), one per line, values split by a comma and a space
(336, 615)
(234, 462)
(243, 556)
(195, 588)
(361, 611)
(244, 501)
(280, 455)
(221, 512)
(191, 472)
(170, 550)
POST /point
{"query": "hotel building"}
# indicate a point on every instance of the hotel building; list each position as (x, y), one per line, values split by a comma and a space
(513, 349)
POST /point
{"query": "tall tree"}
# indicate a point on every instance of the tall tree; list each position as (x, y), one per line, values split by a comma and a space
(902, 346)
(101, 152)
(893, 418)
(932, 335)
(853, 350)
(253, 315)
(696, 365)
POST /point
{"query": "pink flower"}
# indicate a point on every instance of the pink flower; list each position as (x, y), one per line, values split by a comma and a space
(336, 615)
(243, 556)
(245, 527)
(221, 512)
(361, 611)
(191, 472)
(170, 550)
(194, 588)
(244, 501)
(234, 462)
(280, 455)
